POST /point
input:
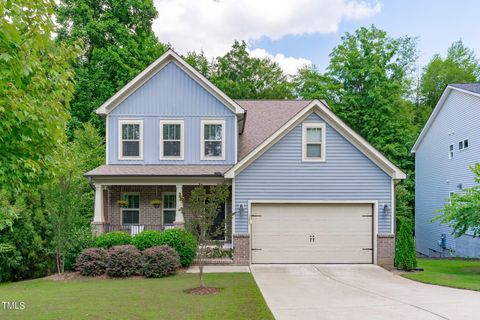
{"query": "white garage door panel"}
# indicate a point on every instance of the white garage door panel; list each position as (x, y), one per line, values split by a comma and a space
(282, 231)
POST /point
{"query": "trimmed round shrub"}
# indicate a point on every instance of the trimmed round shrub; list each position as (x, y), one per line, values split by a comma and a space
(111, 239)
(146, 239)
(183, 242)
(92, 262)
(160, 262)
(124, 261)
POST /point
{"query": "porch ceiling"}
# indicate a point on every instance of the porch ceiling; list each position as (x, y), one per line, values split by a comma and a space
(157, 171)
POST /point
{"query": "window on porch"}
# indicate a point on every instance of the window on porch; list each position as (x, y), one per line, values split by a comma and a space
(131, 213)
(169, 208)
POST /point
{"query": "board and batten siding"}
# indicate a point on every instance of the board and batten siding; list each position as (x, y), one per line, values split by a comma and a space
(436, 175)
(171, 94)
(280, 174)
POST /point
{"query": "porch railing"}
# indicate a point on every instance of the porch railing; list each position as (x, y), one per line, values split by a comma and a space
(134, 229)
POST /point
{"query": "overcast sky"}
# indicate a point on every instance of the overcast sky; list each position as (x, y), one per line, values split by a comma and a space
(298, 32)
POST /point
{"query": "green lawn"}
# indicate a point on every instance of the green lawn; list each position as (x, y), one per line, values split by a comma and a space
(136, 298)
(463, 274)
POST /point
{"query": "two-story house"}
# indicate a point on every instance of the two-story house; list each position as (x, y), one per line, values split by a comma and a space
(444, 152)
(305, 188)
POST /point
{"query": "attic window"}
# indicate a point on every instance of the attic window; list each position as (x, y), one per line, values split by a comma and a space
(131, 139)
(313, 148)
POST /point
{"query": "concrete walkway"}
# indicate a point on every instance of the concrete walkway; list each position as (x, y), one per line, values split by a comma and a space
(219, 269)
(358, 292)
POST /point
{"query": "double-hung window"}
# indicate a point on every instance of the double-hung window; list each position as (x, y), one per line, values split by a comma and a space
(171, 140)
(169, 207)
(313, 148)
(131, 212)
(213, 140)
(450, 152)
(130, 139)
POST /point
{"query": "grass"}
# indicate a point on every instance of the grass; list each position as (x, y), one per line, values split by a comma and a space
(464, 274)
(136, 298)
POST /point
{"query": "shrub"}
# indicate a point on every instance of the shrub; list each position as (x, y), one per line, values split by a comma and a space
(92, 262)
(160, 262)
(124, 261)
(146, 239)
(405, 254)
(83, 239)
(111, 239)
(218, 253)
(183, 242)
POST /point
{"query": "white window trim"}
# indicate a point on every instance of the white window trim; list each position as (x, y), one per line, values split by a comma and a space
(305, 126)
(129, 209)
(463, 143)
(182, 139)
(170, 193)
(202, 140)
(121, 122)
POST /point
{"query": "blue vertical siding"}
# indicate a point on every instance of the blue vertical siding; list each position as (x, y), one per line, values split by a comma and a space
(280, 174)
(171, 94)
(436, 175)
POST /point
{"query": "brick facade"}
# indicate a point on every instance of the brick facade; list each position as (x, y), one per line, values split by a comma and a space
(385, 249)
(149, 215)
(241, 247)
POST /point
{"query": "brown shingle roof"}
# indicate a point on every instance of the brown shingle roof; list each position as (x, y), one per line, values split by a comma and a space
(156, 170)
(264, 117)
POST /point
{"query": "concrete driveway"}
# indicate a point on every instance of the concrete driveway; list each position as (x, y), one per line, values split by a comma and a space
(358, 292)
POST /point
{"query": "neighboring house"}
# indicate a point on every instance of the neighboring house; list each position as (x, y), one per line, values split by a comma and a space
(305, 188)
(444, 151)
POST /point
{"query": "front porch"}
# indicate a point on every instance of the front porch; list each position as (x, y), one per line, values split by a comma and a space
(135, 208)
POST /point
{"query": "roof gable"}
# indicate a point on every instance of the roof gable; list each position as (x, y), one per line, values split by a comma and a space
(329, 117)
(468, 88)
(152, 70)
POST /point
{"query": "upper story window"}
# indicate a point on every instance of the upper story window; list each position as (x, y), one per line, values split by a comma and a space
(450, 152)
(213, 140)
(463, 144)
(171, 140)
(131, 139)
(313, 146)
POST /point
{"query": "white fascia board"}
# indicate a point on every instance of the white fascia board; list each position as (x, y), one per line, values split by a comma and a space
(323, 111)
(154, 68)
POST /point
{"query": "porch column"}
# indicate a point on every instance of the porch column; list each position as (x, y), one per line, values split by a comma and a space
(98, 217)
(179, 222)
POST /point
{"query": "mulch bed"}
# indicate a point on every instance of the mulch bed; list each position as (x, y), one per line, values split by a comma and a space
(201, 291)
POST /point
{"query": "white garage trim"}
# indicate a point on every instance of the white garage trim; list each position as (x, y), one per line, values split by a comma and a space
(373, 202)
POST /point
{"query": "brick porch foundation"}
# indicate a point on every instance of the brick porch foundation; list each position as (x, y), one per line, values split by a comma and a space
(385, 249)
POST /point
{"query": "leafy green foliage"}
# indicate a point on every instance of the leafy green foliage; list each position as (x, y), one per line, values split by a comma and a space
(183, 242)
(460, 66)
(202, 207)
(405, 254)
(241, 76)
(82, 239)
(147, 239)
(118, 43)
(462, 211)
(92, 262)
(309, 83)
(160, 262)
(111, 239)
(35, 89)
(124, 261)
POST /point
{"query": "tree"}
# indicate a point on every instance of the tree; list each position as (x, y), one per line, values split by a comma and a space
(200, 62)
(35, 90)
(243, 77)
(118, 43)
(201, 208)
(462, 211)
(309, 83)
(371, 91)
(405, 254)
(459, 66)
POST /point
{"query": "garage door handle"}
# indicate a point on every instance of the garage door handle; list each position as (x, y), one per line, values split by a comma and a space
(367, 215)
(370, 249)
(255, 249)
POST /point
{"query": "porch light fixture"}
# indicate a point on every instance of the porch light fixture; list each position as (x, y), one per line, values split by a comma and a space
(241, 210)
(385, 209)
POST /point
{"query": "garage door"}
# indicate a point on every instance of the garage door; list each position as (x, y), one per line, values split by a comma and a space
(312, 233)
